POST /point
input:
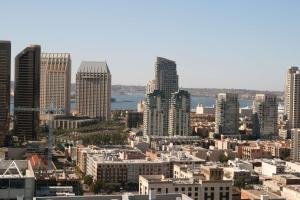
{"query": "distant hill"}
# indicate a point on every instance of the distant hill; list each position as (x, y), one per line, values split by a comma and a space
(204, 92)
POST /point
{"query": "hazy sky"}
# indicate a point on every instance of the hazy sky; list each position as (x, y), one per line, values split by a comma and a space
(221, 44)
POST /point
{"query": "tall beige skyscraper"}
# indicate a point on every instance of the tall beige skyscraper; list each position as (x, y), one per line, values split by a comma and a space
(179, 114)
(93, 90)
(227, 114)
(292, 97)
(295, 146)
(55, 85)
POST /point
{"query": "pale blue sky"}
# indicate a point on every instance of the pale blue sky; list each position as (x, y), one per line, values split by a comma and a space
(222, 44)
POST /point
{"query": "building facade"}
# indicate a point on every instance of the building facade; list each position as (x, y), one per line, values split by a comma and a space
(93, 90)
(179, 114)
(55, 86)
(27, 93)
(166, 81)
(150, 86)
(265, 115)
(5, 66)
(153, 119)
(295, 146)
(292, 97)
(227, 114)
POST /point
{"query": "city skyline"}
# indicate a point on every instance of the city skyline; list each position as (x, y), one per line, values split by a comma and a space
(223, 44)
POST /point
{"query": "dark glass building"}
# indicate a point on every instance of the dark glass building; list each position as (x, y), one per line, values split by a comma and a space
(27, 93)
(5, 64)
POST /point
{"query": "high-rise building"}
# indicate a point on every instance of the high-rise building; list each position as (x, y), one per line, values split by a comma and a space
(166, 81)
(93, 90)
(55, 82)
(166, 78)
(179, 113)
(295, 147)
(292, 97)
(227, 114)
(153, 114)
(5, 65)
(150, 86)
(265, 115)
(27, 93)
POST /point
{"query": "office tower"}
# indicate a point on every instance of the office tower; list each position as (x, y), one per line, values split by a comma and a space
(5, 64)
(179, 114)
(93, 90)
(227, 114)
(295, 147)
(153, 114)
(150, 86)
(265, 115)
(55, 83)
(166, 78)
(27, 93)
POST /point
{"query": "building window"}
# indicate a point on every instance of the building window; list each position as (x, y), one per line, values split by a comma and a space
(183, 189)
(176, 189)
(205, 188)
(196, 194)
(159, 190)
(190, 189)
(189, 194)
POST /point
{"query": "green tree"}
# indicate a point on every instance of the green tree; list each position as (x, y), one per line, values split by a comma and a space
(88, 179)
(97, 187)
(223, 158)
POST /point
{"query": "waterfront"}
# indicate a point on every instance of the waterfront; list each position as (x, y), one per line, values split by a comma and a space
(129, 102)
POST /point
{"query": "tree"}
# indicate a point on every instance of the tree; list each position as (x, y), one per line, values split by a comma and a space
(223, 158)
(97, 187)
(88, 179)
(240, 182)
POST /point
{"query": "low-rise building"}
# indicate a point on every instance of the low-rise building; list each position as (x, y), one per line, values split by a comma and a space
(209, 185)
(272, 167)
(17, 180)
(259, 194)
(71, 122)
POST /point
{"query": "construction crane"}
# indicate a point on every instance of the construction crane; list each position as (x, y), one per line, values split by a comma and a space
(50, 111)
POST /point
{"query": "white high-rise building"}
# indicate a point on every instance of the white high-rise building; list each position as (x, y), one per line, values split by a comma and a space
(227, 114)
(153, 114)
(150, 86)
(292, 97)
(55, 84)
(93, 90)
(179, 114)
(265, 114)
(295, 148)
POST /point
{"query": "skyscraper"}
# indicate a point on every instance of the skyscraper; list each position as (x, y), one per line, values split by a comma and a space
(166, 81)
(150, 86)
(265, 115)
(295, 147)
(227, 114)
(179, 113)
(55, 86)
(166, 78)
(5, 65)
(153, 114)
(27, 92)
(292, 97)
(93, 90)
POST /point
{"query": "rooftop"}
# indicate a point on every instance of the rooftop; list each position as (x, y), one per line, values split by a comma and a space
(94, 67)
